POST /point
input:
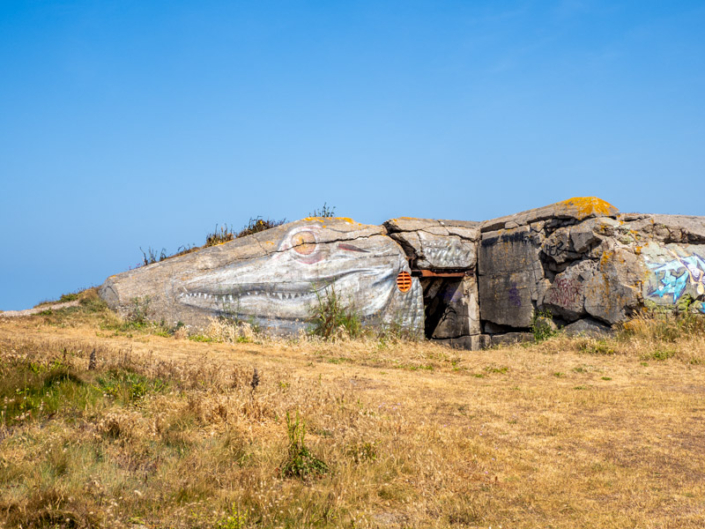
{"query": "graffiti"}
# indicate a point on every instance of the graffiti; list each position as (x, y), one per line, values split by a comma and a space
(515, 295)
(564, 292)
(676, 275)
(284, 285)
(520, 237)
(556, 249)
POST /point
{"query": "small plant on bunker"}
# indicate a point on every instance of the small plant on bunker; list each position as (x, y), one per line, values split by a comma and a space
(300, 462)
(258, 224)
(325, 211)
(330, 314)
(138, 311)
(542, 326)
(150, 256)
(220, 235)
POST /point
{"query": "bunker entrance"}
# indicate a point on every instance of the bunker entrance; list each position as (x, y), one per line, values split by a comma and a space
(450, 303)
(441, 314)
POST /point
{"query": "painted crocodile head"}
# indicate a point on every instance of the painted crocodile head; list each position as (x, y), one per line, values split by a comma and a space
(287, 282)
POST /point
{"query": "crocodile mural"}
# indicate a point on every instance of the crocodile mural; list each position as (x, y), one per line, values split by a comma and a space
(276, 277)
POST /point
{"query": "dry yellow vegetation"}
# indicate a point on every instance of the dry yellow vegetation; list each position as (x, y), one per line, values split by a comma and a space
(168, 432)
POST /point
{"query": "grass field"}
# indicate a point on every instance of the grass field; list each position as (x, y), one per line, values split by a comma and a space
(163, 431)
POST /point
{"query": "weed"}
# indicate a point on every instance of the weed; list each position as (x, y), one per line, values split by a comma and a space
(127, 386)
(330, 315)
(138, 312)
(300, 463)
(661, 354)
(542, 326)
(234, 520)
(150, 256)
(596, 347)
(219, 236)
(201, 338)
(325, 212)
(362, 451)
(257, 225)
(558, 374)
(30, 390)
(665, 325)
(606, 378)
(72, 296)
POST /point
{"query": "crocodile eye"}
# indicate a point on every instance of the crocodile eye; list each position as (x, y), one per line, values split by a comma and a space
(304, 242)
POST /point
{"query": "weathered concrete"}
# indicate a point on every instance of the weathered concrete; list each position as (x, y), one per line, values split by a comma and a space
(587, 327)
(511, 338)
(569, 211)
(469, 343)
(437, 244)
(474, 283)
(276, 276)
(452, 305)
(509, 271)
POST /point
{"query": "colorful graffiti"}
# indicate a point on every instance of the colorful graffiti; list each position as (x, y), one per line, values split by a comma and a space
(675, 276)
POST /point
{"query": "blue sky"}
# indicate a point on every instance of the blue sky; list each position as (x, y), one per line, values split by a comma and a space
(128, 124)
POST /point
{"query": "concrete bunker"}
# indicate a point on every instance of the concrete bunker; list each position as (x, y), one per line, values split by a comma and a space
(466, 284)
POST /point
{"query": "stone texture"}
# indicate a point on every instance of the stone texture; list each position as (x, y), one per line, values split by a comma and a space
(572, 210)
(468, 343)
(565, 297)
(507, 299)
(274, 277)
(511, 338)
(611, 293)
(509, 271)
(587, 327)
(437, 244)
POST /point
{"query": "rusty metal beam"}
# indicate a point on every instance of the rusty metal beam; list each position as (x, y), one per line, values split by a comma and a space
(432, 273)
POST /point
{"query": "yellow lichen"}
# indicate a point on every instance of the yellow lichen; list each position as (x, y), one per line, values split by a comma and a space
(322, 220)
(583, 207)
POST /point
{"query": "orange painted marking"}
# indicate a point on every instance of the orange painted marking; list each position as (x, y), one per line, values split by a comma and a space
(404, 281)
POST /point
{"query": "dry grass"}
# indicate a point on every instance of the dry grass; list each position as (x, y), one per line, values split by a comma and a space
(169, 432)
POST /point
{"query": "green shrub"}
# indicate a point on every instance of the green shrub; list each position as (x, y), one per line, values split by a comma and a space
(542, 326)
(661, 354)
(331, 314)
(138, 313)
(235, 520)
(300, 463)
